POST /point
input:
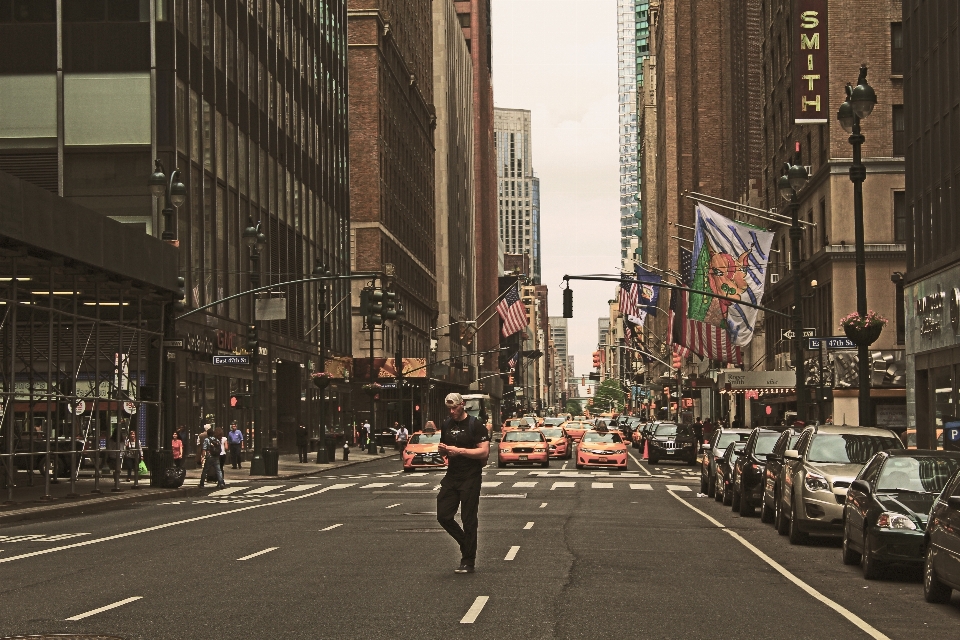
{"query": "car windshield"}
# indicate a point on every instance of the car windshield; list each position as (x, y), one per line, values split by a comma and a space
(849, 448)
(553, 421)
(552, 433)
(765, 442)
(726, 438)
(919, 474)
(425, 438)
(666, 430)
(595, 436)
(523, 436)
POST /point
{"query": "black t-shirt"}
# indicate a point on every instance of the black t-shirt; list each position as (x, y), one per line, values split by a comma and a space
(467, 434)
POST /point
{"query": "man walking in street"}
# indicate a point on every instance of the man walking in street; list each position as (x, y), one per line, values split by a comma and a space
(401, 437)
(467, 446)
(211, 447)
(235, 437)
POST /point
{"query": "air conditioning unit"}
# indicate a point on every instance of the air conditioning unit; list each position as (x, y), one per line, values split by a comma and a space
(774, 278)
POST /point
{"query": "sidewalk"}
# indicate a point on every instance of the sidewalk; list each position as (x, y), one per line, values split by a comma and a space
(29, 502)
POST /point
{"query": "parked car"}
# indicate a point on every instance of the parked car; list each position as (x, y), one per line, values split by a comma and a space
(723, 489)
(818, 473)
(748, 472)
(671, 441)
(771, 473)
(941, 566)
(712, 451)
(886, 508)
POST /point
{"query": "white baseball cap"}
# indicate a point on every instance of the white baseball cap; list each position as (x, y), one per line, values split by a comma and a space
(454, 399)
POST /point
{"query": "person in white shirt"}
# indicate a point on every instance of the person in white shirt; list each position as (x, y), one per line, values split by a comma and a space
(366, 433)
(401, 437)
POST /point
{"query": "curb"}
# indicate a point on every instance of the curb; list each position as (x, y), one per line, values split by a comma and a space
(83, 506)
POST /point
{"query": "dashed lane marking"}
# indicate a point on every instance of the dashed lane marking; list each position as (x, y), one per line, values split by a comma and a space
(642, 468)
(543, 504)
(677, 487)
(525, 484)
(376, 485)
(413, 484)
(393, 505)
(506, 473)
(512, 553)
(528, 526)
(563, 485)
(645, 487)
(102, 609)
(331, 527)
(300, 487)
(259, 553)
(474, 610)
(264, 489)
(603, 485)
(491, 484)
(226, 492)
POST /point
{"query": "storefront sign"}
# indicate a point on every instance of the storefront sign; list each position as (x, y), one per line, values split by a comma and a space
(757, 379)
(811, 75)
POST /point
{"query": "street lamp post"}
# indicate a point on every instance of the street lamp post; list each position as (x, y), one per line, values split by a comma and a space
(172, 191)
(793, 180)
(321, 270)
(859, 104)
(254, 239)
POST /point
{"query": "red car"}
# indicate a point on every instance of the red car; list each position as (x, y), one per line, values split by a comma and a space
(523, 446)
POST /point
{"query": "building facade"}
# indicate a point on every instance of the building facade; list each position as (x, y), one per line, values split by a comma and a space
(249, 102)
(517, 185)
(931, 286)
(627, 113)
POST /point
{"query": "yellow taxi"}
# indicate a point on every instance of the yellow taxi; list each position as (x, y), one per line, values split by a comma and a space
(576, 429)
(559, 443)
(422, 451)
(602, 449)
(523, 446)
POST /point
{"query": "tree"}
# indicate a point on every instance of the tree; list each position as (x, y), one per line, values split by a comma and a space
(574, 407)
(609, 396)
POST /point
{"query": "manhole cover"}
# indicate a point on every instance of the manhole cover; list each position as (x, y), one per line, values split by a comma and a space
(62, 636)
(421, 530)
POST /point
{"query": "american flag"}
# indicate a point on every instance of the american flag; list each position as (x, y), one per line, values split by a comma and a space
(628, 299)
(512, 312)
(513, 361)
(694, 336)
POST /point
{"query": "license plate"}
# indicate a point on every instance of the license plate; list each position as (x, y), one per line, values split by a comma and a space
(603, 459)
(670, 452)
(523, 457)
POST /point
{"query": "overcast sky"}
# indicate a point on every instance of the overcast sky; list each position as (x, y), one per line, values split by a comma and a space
(558, 58)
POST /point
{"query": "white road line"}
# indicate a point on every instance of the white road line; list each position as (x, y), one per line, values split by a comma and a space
(300, 487)
(333, 526)
(376, 485)
(543, 504)
(677, 487)
(474, 610)
(528, 485)
(166, 525)
(491, 484)
(102, 609)
(645, 487)
(565, 464)
(642, 468)
(506, 473)
(512, 553)
(393, 505)
(843, 611)
(528, 526)
(264, 489)
(259, 553)
(563, 485)
(413, 484)
(603, 485)
(226, 492)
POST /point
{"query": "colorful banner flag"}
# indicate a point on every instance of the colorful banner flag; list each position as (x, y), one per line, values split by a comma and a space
(649, 292)
(729, 260)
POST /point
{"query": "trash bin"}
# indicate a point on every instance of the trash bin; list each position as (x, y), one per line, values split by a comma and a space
(271, 462)
(314, 444)
(330, 443)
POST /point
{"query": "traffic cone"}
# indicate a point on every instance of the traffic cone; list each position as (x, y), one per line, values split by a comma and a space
(646, 450)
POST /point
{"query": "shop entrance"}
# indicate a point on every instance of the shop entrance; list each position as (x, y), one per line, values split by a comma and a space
(288, 405)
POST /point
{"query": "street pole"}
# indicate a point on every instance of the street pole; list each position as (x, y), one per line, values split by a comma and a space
(795, 234)
(322, 308)
(372, 445)
(254, 239)
(858, 173)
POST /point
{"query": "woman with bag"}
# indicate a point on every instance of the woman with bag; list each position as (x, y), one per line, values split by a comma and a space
(131, 454)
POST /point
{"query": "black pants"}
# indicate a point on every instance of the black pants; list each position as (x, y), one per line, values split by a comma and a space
(464, 494)
(235, 456)
(302, 450)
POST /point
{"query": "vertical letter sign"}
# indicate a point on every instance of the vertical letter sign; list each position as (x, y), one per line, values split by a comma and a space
(811, 74)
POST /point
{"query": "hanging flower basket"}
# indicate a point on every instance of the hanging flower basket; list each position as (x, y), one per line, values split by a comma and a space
(863, 330)
(320, 379)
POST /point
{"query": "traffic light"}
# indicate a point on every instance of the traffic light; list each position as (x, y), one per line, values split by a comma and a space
(677, 361)
(253, 340)
(391, 307)
(596, 360)
(375, 307)
(181, 295)
(239, 400)
(568, 302)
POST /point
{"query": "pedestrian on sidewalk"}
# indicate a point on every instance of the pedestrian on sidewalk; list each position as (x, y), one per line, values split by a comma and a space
(211, 448)
(177, 445)
(184, 437)
(201, 454)
(466, 444)
(132, 454)
(303, 440)
(218, 432)
(235, 438)
(365, 433)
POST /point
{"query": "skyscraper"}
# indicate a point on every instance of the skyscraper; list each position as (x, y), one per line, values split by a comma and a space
(627, 99)
(518, 187)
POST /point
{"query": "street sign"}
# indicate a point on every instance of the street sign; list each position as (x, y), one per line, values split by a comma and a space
(234, 360)
(951, 432)
(173, 344)
(789, 334)
(130, 408)
(835, 343)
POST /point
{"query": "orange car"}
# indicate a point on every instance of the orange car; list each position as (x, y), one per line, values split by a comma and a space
(422, 451)
(560, 444)
(602, 449)
(575, 429)
(523, 446)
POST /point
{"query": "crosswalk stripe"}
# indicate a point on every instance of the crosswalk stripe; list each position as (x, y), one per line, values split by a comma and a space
(264, 489)
(506, 473)
(512, 553)
(376, 485)
(677, 487)
(300, 487)
(413, 484)
(646, 487)
(227, 491)
(563, 485)
(524, 484)
(603, 485)
(491, 484)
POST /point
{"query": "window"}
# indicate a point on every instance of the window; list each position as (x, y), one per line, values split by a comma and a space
(824, 239)
(896, 48)
(898, 126)
(899, 216)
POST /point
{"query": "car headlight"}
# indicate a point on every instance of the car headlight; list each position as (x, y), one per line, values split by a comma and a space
(895, 521)
(539, 450)
(502, 450)
(816, 482)
(620, 451)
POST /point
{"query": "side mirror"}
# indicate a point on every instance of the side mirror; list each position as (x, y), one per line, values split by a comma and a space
(791, 454)
(705, 448)
(954, 502)
(862, 486)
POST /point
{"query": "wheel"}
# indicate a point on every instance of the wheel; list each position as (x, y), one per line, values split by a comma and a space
(711, 487)
(623, 468)
(780, 520)
(766, 514)
(546, 463)
(407, 469)
(848, 555)
(744, 505)
(579, 466)
(703, 484)
(734, 498)
(727, 495)
(872, 568)
(501, 464)
(796, 536)
(933, 590)
(718, 489)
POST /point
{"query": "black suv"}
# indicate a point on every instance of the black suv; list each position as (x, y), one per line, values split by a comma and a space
(674, 442)
(713, 451)
(749, 469)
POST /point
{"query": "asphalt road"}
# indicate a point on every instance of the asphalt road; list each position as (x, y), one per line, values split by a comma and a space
(358, 554)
